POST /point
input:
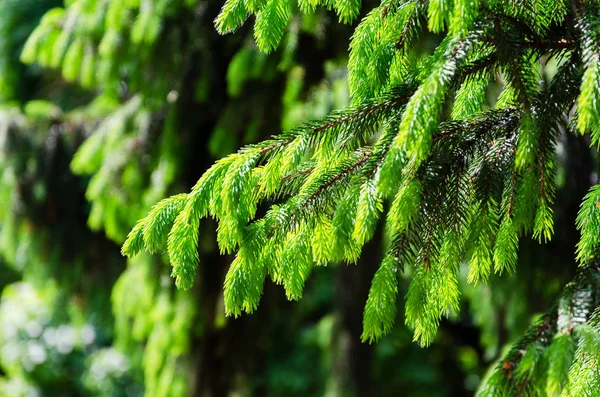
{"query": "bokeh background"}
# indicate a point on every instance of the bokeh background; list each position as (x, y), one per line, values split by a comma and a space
(106, 107)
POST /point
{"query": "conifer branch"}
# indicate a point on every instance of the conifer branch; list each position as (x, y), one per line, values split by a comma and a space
(508, 374)
(412, 22)
(464, 186)
(370, 108)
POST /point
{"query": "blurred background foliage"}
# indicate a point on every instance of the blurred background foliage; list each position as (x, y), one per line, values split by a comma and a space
(107, 106)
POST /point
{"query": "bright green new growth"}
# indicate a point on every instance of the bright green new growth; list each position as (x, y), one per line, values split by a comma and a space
(455, 178)
(272, 16)
(558, 355)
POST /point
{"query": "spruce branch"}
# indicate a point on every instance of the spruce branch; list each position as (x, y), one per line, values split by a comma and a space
(508, 374)
(463, 187)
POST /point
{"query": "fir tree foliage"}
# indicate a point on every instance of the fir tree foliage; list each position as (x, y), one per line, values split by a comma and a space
(158, 318)
(128, 154)
(96, 43)
(559, 355)
(127, 159)
(465, 187)
(273, 16)
(453, 177)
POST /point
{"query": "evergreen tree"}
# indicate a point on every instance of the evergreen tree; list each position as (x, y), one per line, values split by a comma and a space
(455, 177)
(467, 136)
